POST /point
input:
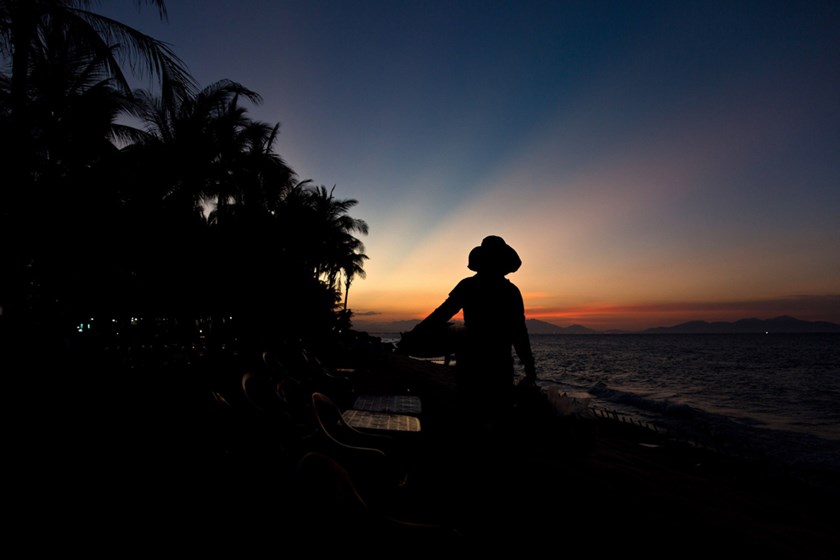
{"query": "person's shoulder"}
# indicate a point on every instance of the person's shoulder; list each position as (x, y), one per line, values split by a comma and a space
(463, 285)
(468, 281)
(511, 286)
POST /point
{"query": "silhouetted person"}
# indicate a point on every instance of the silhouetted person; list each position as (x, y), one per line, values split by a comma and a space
(494, 324)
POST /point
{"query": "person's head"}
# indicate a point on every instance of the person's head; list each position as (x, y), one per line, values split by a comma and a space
(494, 256)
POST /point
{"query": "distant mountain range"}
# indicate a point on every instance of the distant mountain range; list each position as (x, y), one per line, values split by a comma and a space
(535, 326)
(778, 325)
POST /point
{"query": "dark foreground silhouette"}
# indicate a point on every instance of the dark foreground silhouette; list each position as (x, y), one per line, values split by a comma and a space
(111, 455)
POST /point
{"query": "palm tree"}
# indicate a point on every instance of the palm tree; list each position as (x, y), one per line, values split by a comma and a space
(334, 229)
(209, 154)
(65, 69)
(21, 23)
(352, 266)
(73, 103)
(30, 32)
(318, 236)
(59, 106)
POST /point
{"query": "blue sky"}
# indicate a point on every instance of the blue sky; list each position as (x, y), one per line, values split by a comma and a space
(652, 162)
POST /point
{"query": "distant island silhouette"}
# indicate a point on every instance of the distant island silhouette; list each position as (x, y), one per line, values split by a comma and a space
(783, 324)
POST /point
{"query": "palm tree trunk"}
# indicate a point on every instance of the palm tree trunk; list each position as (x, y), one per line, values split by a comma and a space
(346, 292)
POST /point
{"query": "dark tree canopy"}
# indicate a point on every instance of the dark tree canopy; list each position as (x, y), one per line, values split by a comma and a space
(187, 219)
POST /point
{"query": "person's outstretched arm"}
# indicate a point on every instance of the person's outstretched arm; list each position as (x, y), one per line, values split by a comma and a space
(446, 310)
(428, 336)
(441, 315)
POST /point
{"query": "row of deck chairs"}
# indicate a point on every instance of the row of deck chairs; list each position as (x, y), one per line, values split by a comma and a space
(288, 416)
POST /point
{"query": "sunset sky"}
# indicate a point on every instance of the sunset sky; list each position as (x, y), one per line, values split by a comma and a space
(652, 162)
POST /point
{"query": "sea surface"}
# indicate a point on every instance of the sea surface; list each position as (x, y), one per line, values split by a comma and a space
(768, 397)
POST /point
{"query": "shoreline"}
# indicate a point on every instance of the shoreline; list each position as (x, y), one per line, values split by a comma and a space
(593, 477)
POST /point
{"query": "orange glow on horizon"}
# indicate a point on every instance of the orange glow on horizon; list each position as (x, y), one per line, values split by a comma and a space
(640, 316)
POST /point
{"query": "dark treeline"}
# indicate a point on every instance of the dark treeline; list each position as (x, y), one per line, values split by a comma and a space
(152, 214)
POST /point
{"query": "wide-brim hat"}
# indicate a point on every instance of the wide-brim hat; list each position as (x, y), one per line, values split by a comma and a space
(494, 255)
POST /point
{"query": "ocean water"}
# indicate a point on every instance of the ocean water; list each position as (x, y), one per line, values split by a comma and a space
(769, 397)
(773, 398)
